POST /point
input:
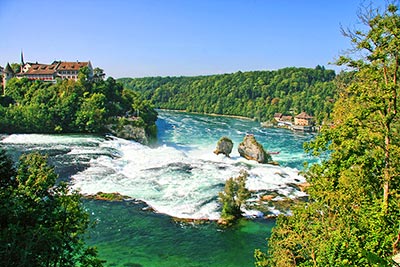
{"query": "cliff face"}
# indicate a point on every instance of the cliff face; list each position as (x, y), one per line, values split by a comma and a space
(133, 129)
(252, 150)
(131, 132)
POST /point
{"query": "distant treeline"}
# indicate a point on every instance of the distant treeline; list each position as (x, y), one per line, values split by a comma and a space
(256, 94)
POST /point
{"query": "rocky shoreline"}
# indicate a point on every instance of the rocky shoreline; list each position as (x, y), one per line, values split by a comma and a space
(264, 203)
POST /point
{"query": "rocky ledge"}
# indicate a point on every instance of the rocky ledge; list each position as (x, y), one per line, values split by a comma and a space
(135, 133)
(130, 128)
(108, 196)
(117, 197)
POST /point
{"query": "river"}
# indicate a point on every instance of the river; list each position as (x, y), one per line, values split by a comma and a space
(179, 177)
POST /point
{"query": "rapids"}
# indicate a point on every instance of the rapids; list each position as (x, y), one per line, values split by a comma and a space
(180, 176)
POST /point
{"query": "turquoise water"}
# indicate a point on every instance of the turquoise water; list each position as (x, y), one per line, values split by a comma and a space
(128, 236)
(193, 131)
(179, 177)
(143, 238)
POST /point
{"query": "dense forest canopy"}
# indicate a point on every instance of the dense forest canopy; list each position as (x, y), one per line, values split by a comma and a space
(256, 94)
(70, 106)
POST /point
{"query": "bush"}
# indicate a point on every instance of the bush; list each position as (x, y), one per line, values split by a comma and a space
(42, 224)
(233, 197)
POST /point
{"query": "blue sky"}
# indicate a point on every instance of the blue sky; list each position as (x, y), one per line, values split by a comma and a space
(137, 38)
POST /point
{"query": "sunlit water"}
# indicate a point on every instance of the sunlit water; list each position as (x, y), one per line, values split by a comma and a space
(126, 235)
(179, 177)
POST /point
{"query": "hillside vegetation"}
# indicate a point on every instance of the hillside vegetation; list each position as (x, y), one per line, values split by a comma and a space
(69, 106)
(256, 94)
(352, 217)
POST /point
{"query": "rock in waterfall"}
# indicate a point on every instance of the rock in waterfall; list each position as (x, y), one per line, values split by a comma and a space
(252, 150)
(224, 146)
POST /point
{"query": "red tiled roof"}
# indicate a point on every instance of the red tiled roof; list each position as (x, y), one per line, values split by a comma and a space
(304, 115)
(48, 69)
(286, 118)
(40, 69)
(72, 65)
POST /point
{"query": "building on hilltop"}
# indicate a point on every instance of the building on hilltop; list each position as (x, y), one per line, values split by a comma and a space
(36, 71)
(70, 70)
(57, 69)
(46, 72)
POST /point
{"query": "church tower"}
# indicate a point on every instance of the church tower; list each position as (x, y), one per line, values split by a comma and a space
(22, 61)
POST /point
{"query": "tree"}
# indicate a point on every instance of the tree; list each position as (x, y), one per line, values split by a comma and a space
(7, 172)
(91, 115)
(377, 86)
(42, 223)
(352, 216)
(233, 197)
(98, 74)
(84, 75)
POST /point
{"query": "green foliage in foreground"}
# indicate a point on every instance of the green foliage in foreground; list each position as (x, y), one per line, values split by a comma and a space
(257, 94)
(41, 223)
(234, 197)
(70, 107)
(353, 214)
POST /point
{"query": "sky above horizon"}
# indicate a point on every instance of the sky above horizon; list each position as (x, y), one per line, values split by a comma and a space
(139, 38)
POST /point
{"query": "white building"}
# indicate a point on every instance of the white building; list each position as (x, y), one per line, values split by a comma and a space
(57, 69)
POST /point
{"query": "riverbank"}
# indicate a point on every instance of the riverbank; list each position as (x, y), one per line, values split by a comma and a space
(209, 114)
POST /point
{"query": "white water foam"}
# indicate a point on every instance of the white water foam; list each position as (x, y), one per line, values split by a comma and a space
(48, 139)
(180, 182)
(176, 179)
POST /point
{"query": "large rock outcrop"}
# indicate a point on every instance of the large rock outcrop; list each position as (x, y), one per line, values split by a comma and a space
(130, 129)
(131, 132)
(224, 146)
(252, 150)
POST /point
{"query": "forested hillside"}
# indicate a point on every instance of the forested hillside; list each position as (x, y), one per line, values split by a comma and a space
(256, 94)
(69, 106)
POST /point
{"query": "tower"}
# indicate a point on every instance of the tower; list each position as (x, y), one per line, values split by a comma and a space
(22, 60)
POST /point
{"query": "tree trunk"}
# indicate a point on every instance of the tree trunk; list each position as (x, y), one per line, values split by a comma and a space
(386, 172)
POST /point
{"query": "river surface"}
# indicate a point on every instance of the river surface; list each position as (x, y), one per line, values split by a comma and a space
(179, 177)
